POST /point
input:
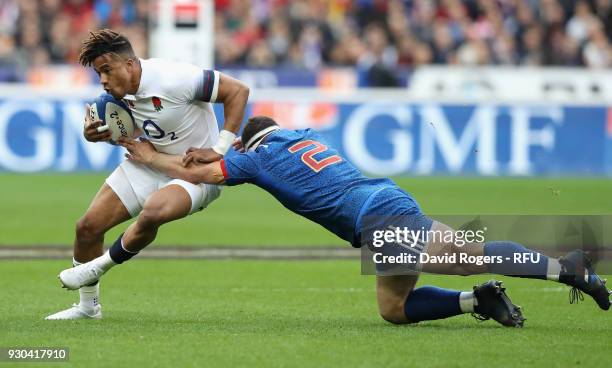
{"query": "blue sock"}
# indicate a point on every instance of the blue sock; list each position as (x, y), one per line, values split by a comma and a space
(430, 302)
(118, 253)
(534, 266)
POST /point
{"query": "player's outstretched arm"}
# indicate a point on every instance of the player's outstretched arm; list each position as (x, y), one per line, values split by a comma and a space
(172, 165)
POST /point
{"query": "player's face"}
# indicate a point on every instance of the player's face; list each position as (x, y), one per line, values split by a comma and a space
(115, 74)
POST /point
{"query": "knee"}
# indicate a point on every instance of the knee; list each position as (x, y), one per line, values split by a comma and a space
(393, 312)
(151, 216)
(87, 227)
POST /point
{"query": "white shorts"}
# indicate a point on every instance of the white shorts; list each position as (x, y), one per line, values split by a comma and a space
(134, 183)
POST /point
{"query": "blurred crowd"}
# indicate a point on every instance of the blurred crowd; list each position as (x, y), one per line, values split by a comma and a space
(396, 33)
(375, 34)
(41, 32)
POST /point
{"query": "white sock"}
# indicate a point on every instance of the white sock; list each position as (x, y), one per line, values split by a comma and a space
(104, 262)
(89, 296)
(467, 301)
(553, 270)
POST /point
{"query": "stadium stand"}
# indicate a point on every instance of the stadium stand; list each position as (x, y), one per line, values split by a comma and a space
(376, 35)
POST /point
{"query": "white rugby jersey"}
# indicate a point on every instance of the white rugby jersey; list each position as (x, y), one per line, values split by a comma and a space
(172, 107)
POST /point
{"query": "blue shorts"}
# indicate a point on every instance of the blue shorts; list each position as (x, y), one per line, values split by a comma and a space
(391, 227)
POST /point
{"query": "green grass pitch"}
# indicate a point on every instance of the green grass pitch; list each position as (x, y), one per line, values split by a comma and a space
(170, 313)
(43, 209)
(161, 313)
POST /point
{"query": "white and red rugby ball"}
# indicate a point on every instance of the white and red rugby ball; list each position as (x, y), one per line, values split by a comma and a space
(115, 114)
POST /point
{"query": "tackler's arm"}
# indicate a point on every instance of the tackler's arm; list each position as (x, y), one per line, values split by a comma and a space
(172, 165)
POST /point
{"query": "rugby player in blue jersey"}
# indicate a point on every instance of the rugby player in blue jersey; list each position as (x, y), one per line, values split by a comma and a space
(314, 181)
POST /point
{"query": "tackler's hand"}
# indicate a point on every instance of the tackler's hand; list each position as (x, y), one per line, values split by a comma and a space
(201, 156)
(141, 151)
(94, 131)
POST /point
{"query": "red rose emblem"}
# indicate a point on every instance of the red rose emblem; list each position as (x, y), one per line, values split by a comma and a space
(156, 103)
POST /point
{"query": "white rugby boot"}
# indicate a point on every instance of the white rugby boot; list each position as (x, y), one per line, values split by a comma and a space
(84, 274)
(77, 312)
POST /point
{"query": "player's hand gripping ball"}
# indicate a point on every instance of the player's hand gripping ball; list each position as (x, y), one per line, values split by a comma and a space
(115, 116)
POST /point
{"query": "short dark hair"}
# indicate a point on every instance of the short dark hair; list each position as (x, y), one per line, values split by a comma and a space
(104, 41)
(254, 125)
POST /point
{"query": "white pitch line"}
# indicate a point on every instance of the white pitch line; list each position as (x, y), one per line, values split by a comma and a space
(292, 290)
(57, 252)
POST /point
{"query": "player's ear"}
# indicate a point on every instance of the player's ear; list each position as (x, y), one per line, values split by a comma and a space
(129, 63)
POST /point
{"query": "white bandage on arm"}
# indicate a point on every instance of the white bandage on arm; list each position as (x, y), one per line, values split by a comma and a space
(226, 138)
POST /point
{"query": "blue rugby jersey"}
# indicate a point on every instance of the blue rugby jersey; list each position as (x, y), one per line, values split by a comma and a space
(307, 177)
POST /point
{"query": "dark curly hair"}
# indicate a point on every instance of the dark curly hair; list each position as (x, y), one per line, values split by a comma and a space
(104, 41)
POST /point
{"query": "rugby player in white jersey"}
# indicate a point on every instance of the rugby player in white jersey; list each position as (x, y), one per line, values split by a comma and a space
(171, 105)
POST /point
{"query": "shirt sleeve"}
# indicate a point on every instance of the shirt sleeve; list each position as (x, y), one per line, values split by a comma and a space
(189, 82)
(239, 168)
(207, 86)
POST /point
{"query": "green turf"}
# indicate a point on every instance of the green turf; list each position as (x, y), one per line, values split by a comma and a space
(170, 313)
(43, 209)
(282, 313)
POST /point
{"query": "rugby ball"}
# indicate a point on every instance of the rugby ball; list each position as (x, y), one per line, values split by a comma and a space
(115, 114)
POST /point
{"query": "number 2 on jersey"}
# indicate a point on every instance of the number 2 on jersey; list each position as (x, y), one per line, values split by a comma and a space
(309, 160)
(153, 130)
